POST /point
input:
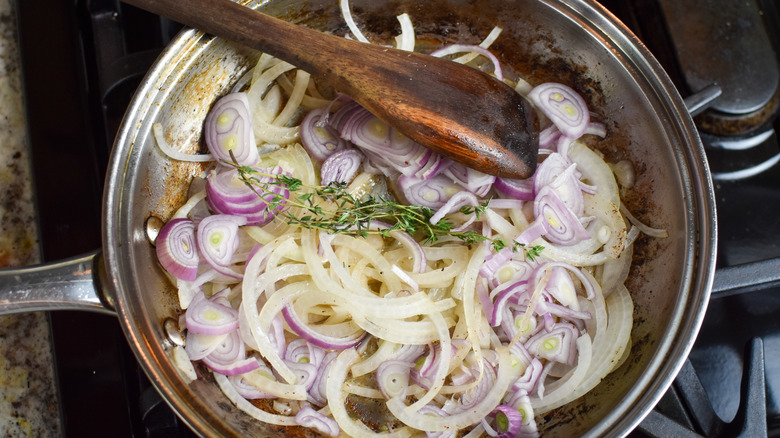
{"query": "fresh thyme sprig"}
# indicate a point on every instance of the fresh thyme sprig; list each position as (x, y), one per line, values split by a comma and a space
(331, 208)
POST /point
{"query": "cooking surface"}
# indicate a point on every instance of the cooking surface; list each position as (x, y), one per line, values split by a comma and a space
(97, 52)
(28, 403)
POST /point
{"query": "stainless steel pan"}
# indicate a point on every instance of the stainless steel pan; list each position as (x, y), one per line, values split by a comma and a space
(572, 41)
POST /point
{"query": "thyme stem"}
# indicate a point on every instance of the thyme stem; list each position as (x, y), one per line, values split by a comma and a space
(345, 214)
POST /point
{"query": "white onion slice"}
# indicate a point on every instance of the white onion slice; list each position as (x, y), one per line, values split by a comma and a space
(157, 131)
(595, 171)
(558, 392)
(405, 41)
(487, 42)
(337, 397)
(506, 374)
(460, 48)
(347, 14)
(658, 233)
(243, 404)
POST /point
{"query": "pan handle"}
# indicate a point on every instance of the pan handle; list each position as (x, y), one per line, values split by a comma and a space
(71, 284)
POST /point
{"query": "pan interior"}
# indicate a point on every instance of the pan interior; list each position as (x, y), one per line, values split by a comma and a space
(567, 42)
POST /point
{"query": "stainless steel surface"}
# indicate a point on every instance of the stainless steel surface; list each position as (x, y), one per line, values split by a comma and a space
(67, 285)
(573, 41)
(703, 99)
(643, 111)
(724, 42)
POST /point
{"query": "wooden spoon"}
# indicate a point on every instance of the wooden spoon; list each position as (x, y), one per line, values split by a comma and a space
(456, 110)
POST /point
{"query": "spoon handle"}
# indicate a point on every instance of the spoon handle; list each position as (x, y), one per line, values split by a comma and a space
(453, 109)
(305, 48)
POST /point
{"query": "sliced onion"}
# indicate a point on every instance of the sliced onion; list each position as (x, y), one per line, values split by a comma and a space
(558, 345)
(485, 383)
(658, 233)
(570, 190)
(183, 362)
(460, 48)
(478, 182)
(561, 174)
(597, 128)
(493, 261)
(246, 389)
(337, 375)
(561, 287)
(343, 113)
(490, 39)
(351, 282)
(563, 226)
(432, 193)
(420, 261)
(549, 169)
(310, 334)
(386, 149)
(528, 382)
(508, 421)
(229, 358)
(522, 402)
(347, 14)
(564, 106)
(483, 407)
(305, 372)
(228, 129)
(534, 231)
(434, 410)
(574, 316)
(199, 346)
(317, 392)
(176, 249)
(430, 164)
(505, 293)
(522, 189)
(455, 203)
(405, 41)
(512, 270)
(563, 144)
(560, 390)
(218, 238)
(341, 167)
(370, 133)
(548, 136)
(249, 408)
(226, 193)
(392, 377)
(209, 317)
(159, 136)
(262, 380)
(308, 417)
(472, 180)
(596, 171)
(320, 139)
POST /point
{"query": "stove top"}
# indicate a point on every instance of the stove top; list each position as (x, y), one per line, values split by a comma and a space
(81, 76)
